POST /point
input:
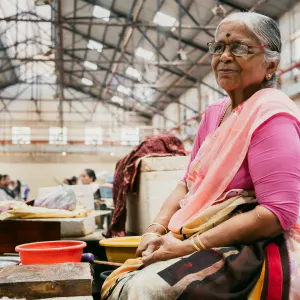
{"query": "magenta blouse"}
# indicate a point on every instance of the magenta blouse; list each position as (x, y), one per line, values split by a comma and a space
(272, 164)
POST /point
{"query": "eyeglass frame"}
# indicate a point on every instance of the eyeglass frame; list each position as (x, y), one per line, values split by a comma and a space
(249, 47)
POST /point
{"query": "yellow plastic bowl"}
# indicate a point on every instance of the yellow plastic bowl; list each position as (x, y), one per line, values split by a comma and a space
(121, 249)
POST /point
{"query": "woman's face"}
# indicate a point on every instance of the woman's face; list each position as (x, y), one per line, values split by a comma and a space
(85, 179)
(7, 181)
(238, 73)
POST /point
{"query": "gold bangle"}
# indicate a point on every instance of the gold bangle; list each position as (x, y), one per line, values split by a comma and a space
(194, 245)
(148, 233)
(160, 226)
(201, 243)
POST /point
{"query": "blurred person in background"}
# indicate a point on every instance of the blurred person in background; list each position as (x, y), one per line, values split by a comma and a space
(88, 177)
(17, 189)
(26, 191)
(72, 181)
(66, 181)
(5, 192)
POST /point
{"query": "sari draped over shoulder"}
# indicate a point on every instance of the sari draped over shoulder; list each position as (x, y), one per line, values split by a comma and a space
(268, 269)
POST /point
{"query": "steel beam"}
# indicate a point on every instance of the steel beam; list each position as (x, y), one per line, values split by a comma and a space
(178, 73)
(6, 85)
(161, 30)
(143, 114)
(122, 51)
(146, 105)
(172, 97)
(59, 56)
(99, 62)
(113, 24)
(233, 5)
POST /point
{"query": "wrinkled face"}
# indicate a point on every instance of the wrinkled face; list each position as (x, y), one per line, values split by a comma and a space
(85, 179)
(233, 72)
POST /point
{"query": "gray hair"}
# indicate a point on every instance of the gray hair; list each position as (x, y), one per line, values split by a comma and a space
(266, 31)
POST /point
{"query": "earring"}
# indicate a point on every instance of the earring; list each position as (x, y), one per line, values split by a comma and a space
(269, 76)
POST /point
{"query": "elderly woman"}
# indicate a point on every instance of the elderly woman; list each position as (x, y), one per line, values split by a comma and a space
(232, 220)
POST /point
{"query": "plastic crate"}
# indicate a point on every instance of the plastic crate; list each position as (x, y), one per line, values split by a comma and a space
(106, 192)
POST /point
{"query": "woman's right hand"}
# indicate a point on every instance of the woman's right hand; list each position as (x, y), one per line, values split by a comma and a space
(144, 244)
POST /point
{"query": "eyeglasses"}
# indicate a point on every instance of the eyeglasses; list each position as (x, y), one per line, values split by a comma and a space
(237, 49)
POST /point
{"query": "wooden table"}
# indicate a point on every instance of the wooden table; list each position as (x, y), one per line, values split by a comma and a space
(14, 233)
(22, 231)
(46, 281)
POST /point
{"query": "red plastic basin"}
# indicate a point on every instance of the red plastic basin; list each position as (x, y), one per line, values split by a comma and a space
(53, 252)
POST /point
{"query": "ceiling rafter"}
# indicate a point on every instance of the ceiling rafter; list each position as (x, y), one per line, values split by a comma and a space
(103, 86)
(164, 68)
(146, 105)
(183, 75)
(178, 72)
(143, 114)
(162, 31)
(172, 97)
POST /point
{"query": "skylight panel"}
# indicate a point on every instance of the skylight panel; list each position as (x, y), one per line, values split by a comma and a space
(143, 53)
(132, 72)
(93, 45)
(124, 90)
(101, 13)
(164, 19)
(90, 65)
(118, 100)
(86, 81)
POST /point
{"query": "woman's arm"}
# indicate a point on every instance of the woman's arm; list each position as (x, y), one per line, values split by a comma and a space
(245, 228)
(274, 165)
(170, 206)
(248, 227)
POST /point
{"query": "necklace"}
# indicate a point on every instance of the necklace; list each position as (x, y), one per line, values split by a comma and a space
(229, 105)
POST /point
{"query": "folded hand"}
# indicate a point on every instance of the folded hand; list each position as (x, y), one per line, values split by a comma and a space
(165, 248)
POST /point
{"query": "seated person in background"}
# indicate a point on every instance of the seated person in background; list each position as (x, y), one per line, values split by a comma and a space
(26, 191)
(88, 177)
(17, 189)
(5, 192)
(67, 181)
(73, 180)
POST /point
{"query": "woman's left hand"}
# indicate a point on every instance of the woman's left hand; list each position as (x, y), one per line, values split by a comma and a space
(165, 248)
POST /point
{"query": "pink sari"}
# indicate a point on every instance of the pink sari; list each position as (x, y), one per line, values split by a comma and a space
(207, 205)
(219, 159)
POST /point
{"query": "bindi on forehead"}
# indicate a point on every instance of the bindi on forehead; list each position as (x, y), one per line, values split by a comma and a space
(227, 37)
